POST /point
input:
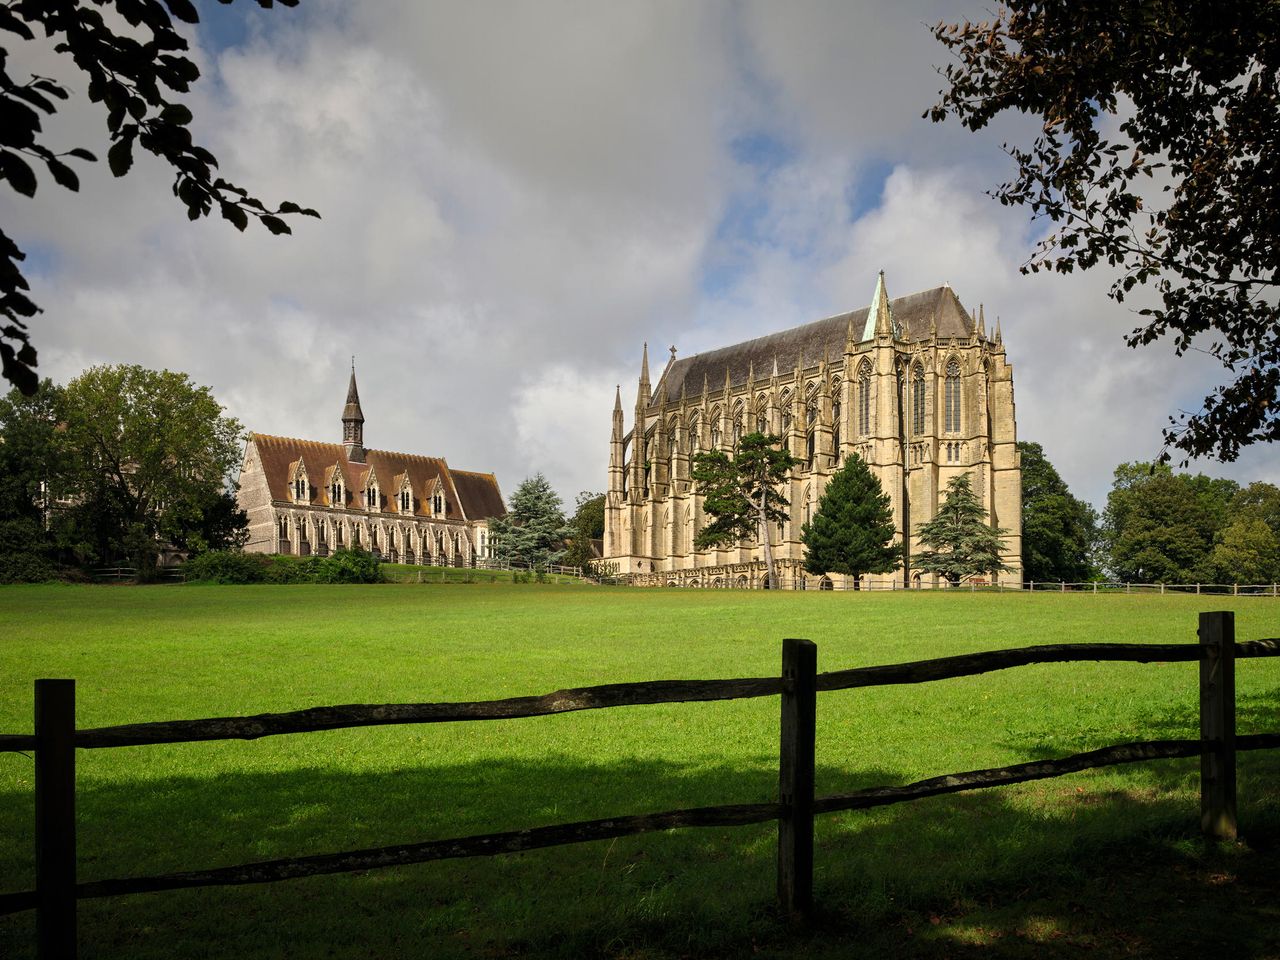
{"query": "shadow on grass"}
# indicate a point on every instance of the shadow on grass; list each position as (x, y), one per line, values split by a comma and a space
(1024, 872)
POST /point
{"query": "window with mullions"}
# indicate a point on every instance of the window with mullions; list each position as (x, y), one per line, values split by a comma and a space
(917, 400)
(406, 501)
(864, 399)
(952, 400)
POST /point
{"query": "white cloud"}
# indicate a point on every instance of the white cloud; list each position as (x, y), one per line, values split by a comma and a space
(515, 197)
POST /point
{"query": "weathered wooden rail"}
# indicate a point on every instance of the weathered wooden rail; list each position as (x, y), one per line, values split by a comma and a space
(55, 741)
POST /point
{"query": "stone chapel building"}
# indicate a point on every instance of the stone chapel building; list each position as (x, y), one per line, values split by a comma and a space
(915, 386)
(305, 497)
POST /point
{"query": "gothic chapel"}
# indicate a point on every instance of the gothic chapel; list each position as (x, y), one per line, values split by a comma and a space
(914, 385)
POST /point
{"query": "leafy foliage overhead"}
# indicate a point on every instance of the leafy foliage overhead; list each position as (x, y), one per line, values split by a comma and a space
(960, 541)
(851, 531)
(133, 73)
(1158, 156)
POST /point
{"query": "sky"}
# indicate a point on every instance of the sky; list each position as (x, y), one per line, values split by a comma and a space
(516, 196)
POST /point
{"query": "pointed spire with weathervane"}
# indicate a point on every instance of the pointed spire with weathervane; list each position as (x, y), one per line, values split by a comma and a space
(353, 421)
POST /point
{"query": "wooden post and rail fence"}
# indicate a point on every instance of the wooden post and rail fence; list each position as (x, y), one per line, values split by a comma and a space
(55, 741)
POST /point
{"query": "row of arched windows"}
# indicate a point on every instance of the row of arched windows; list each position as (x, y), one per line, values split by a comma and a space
(914, 401)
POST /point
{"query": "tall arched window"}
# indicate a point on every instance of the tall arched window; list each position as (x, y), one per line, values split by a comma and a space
(695, 439)
(836, 420)
(737, 422)
(953, 397)
(917, 400)
(786, 412)
(864, 399)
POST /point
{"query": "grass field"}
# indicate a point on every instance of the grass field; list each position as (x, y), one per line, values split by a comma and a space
(1108, 860)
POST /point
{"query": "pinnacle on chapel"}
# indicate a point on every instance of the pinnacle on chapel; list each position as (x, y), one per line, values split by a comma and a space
(880, 316)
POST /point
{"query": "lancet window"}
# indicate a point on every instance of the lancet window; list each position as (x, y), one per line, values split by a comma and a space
(864, 399)
(953, 397)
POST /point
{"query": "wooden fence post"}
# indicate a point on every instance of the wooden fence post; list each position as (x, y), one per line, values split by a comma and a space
(1218, 725)
(795, 777)
(55, 772)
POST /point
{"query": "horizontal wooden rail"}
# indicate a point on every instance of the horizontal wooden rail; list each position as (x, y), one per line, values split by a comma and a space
(369, 715)
(732, 815)
(971, 664)
(314, 719)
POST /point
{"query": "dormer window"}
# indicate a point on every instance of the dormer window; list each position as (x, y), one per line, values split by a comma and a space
(299, 488)
(371, 500)
(336, 498)
(406, 500)
(437, 503)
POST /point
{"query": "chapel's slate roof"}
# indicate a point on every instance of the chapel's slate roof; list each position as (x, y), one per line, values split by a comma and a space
(279, 456)
(480, 495)
(804, 345)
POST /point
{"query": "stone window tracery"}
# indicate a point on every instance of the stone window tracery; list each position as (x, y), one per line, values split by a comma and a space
(953, 397)
(864, 399)
(917, 400)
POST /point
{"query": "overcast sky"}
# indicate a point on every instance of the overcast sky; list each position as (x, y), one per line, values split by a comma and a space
(515, 196)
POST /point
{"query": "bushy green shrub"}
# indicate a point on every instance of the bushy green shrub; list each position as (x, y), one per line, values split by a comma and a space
(350, 566)
(228, 566)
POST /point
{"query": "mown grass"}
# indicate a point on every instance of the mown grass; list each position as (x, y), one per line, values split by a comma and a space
(1093, 860)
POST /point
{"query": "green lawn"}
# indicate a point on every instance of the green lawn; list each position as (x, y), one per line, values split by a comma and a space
(1092, 860)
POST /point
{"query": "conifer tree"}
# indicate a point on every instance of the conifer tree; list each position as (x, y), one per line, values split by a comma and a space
(533, 531)
(742, 494)
(853, 527)
(962, 543)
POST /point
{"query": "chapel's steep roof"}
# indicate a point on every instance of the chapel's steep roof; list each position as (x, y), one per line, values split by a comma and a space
(480, 495)
(278, 454)
(804, 345)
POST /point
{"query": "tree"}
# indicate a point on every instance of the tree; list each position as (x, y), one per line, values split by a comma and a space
(1191, 89)
(1247, 551)
(1160, 526)
(743, 495)
(1059, 532)
(32, 455)
(853, 527)
(125, 70)
(150, 458)
(533, 531)
(587, 525)
(1259, 501)
(962, 543)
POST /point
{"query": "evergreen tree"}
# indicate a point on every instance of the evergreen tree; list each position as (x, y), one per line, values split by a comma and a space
(743, 494)
(851, 531)
(533, 532)
(962, 543)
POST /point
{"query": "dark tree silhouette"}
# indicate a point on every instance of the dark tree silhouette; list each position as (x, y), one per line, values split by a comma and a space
(1192, 91)
(133, 74)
